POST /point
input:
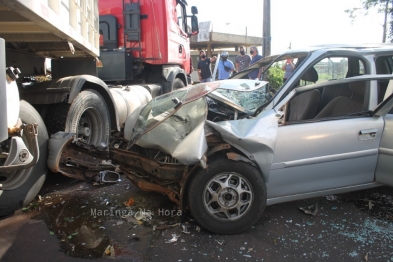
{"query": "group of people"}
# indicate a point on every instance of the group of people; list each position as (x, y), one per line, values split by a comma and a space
(225, 66)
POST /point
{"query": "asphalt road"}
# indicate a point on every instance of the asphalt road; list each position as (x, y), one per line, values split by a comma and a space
(75, 221)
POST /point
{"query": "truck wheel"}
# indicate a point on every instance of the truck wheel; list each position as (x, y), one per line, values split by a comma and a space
(228, 197)
(26, 182)
(87, 116)
(177, 84)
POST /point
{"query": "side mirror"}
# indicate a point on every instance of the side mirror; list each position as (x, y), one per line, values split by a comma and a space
(194, 25)
(194, 10)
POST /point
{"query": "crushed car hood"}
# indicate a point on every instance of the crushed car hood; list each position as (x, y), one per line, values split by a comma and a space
(174, 124)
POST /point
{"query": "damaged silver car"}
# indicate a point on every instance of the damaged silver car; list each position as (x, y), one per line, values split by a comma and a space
(224, 150)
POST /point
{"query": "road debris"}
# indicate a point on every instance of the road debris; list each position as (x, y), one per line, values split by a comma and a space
(129, 202)
(173, 239)
(163, 227)
(132, 220)
(220, 242)
(366, 257)
(143, 215)
(185, 229)
(331, 198)
(310, 210)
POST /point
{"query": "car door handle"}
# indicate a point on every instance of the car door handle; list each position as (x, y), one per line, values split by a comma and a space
(366, 134)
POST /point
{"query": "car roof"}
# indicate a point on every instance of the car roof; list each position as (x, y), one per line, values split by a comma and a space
(354, 47)
(360, 48)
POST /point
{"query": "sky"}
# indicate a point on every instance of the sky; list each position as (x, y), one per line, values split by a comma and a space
(298, 23)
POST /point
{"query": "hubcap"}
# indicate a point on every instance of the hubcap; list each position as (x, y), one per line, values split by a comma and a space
(228, 196)
(90, 127)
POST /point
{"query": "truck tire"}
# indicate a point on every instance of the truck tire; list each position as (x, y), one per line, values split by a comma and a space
(228, 197)
(177, 84)
(87, 116)
(11, 200)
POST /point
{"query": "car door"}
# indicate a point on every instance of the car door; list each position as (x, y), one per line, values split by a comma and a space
(384, 171)
(322, 152)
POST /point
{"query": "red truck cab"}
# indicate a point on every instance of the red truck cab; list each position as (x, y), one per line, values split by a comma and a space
(146, 41)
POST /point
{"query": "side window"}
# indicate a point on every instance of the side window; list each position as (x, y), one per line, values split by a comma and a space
(306, 105)
(181, 21)
(332, 68)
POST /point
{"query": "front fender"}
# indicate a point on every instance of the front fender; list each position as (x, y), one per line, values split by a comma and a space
(66, 89)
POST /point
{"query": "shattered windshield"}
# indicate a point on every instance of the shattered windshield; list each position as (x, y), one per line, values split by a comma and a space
(247, 100)
(161, 107)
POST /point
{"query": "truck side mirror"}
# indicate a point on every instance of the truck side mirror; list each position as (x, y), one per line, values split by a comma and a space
(194, 10)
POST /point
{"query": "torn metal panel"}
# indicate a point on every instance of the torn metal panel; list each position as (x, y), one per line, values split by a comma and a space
(163, 107)
(255, 137)
(182, 134)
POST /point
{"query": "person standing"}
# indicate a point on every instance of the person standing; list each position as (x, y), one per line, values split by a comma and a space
(243, 60)
(204, 70)
(254, 58)
(288, 68)
(225, 67)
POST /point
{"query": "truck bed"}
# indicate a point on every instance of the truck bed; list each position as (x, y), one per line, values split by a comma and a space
(51, 28)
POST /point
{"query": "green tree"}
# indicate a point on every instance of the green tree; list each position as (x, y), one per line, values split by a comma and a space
(275, 76)
(383, 7)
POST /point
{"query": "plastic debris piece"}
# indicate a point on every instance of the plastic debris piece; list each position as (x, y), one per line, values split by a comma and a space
(119, 223)
(250, 249)
(69, 237)
(51, 233)
(39, 198)
(129, 202)
(108, 250)
(242, 248)
(185, 229)
(331, 198)
(366, 257)
(334, 208)
(220, 242)
(310, 210)
(370, 204)
(143, 215)
(173, 239)
(246, 255)
(102, 227)
(182, 241)
(197, 228)
(184, 249)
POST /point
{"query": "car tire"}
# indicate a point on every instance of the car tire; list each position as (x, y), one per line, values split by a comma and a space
(177, 84)
(215, 200)
(88, 117)
(11, 200)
